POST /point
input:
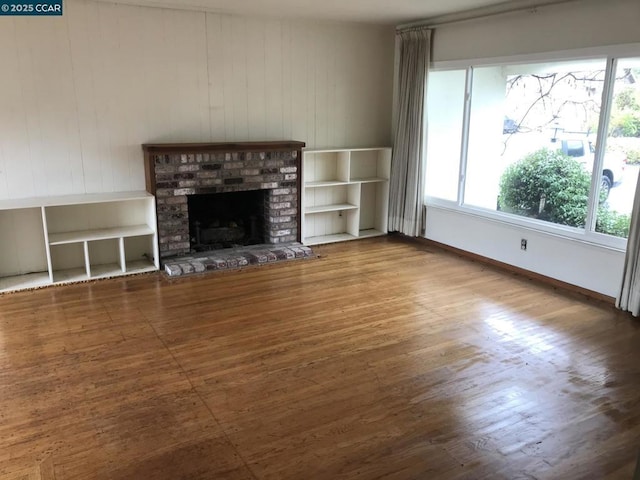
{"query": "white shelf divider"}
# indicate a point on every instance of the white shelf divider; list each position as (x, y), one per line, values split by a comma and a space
(330, 208)
(334, 238)
(123, 258)
(328, 183)
(47, 246)
(369, 180)
(99, 234)
(87, 261)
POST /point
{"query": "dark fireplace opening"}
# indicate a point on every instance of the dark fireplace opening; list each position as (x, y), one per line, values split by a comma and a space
(226, 220)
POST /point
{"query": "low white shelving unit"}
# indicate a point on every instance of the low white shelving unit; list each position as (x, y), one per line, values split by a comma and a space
(50, 240)
(345, 194)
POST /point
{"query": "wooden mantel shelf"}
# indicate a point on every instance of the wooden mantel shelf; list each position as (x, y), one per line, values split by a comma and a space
(165, 148)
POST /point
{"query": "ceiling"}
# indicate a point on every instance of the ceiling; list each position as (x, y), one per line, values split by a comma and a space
(370, 11)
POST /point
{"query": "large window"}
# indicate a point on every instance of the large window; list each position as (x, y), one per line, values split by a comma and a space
(525, 144)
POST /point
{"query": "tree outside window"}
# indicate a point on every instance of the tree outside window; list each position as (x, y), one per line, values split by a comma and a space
(532, 138)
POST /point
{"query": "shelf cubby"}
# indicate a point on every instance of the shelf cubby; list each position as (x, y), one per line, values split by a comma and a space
(326, 166)
(136, 253)
(67, 257)
(22, 249)
(368, 165)
(373, 218)
(345, 194)
(333, 226)
(332, 198)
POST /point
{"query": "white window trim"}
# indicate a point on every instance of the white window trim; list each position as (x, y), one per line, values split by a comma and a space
(586, 235)
(603, 128)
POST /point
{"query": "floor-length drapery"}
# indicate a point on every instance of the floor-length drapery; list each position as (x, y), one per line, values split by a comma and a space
(629, 296)
(407, 166)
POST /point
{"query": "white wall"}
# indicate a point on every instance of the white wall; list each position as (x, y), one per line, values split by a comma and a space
(81, 93)
(586, 265)
(586, 24)
(579, 24)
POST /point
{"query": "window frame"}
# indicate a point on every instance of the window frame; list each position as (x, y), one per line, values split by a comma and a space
(584, 235)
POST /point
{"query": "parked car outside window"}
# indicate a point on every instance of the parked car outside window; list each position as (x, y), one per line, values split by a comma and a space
(583, 150)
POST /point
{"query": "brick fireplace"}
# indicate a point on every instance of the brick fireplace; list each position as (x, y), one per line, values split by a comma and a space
(176, 171)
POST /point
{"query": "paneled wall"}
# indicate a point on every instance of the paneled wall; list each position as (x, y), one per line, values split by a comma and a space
(81, 93)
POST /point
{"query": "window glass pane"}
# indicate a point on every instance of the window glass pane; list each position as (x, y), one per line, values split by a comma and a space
(531, 138)
(484, 156)
(622, 156)
(445, 107)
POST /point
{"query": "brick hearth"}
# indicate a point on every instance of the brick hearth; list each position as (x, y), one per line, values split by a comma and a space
(228, 259)
(174, 171)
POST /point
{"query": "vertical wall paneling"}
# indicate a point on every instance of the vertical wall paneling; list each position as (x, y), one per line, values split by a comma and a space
(52, 122)
(300, 52)
(107, 94)
(364, 66)
(274, 91)
(27, 78)
(256, 73)
(330, 78)
(82, 44)
(155, 116)
(321, 87)
(129, 48)
(287, 80)
(225, 70)
(216, 77)
(239, 67)
(340, 109)
(187, 67)
(81, 93)
(15, 158)
(311, 52)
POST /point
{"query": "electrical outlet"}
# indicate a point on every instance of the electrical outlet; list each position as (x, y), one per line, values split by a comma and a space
(523, 244)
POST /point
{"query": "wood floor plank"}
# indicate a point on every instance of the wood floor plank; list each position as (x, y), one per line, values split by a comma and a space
(383, 358)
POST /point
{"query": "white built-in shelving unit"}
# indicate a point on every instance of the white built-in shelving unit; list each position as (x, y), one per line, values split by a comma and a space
(51, 240)
(345, 194)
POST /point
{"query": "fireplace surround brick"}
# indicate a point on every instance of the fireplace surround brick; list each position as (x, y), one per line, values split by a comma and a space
(174, 171)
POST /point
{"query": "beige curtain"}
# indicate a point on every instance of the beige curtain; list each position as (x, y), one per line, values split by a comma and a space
(407, 166)
(629, 296)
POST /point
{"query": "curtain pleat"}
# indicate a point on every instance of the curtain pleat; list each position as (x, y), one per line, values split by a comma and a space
(407, 165)
(629, 297)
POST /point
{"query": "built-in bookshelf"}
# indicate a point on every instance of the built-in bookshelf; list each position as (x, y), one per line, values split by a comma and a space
(50, 240)
(345, 194)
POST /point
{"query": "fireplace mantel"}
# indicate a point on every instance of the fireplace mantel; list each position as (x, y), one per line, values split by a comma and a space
(175, 170)
(164, 148)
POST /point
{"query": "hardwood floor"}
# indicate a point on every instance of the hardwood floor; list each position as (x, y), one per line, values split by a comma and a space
(384, 358)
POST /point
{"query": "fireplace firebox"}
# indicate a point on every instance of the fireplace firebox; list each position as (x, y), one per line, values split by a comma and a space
(226, 220)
